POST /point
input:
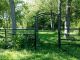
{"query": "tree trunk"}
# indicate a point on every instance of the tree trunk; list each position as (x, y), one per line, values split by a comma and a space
(12, 6)
(67, 22)
(52, 22)
(51, 17)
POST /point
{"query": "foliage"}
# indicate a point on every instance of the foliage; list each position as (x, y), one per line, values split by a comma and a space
(25, 18)
(48, 50)
(23, 41)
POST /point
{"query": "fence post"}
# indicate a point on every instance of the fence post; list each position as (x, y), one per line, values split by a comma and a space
(59, 23)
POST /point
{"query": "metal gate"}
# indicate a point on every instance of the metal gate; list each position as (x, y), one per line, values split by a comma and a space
(27, 36)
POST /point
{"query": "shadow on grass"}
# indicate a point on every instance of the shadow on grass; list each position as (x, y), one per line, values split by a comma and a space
(46, 51)
(72, 50)
(49, 50)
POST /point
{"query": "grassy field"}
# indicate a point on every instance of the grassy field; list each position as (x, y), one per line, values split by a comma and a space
(48, 50)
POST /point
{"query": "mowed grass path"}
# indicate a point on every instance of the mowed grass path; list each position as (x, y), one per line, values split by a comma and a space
(48, 50)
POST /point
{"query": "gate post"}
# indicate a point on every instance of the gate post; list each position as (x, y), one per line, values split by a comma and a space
(36, 31)
(59, 23)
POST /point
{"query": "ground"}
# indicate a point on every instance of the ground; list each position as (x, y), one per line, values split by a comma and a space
(47, 50)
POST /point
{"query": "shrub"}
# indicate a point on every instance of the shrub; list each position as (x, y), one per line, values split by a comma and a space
(23, 41)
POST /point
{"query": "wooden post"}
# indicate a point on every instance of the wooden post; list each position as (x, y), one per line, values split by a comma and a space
(59, 23)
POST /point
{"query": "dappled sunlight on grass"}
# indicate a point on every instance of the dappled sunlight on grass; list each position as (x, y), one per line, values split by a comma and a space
(54, 53)
(15, 55)
(48, 50)
(46, 32)
(48, 37)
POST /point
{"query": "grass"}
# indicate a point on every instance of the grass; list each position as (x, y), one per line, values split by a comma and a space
(48, 50)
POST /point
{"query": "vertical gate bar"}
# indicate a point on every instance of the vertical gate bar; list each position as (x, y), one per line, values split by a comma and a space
(79, 31)
(36, 31)
(5, 35)
(59, 23)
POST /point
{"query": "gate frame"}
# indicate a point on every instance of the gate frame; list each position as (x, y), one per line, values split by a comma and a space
(36, 25)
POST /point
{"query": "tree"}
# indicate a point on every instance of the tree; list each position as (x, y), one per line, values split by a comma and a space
(67, 22)
(51, 18)
(4, 8)
(12, 6)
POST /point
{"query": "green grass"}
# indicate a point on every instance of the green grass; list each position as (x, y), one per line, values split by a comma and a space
(47, 50)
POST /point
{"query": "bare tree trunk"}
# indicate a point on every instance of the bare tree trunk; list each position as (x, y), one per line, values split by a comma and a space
(51, 18)
(67, 22)
(12, 6)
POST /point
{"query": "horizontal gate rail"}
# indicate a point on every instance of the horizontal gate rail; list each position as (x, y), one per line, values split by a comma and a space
(16, 29)
(71, 39)
(71, 34)
(71, 29)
